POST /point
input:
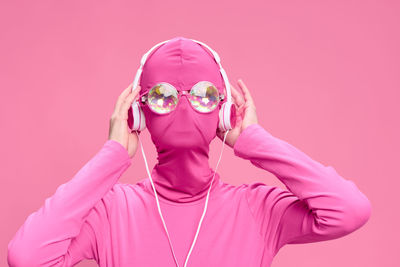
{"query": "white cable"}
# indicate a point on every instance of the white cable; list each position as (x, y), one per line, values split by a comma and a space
(158, 204)
(205, 208)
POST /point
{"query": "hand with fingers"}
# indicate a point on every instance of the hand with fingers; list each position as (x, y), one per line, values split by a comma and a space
(119, 129)
(245, 113)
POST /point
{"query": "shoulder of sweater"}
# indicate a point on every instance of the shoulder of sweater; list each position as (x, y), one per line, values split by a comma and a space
(120, 191)
(249, 188)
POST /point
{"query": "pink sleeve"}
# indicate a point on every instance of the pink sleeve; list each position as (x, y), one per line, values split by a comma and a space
(318, 205)
(61, 232)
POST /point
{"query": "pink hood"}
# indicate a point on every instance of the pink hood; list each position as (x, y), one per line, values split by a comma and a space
(182, 137)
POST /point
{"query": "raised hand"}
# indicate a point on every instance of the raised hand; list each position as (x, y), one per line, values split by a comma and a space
(245, 113)
(119, 129)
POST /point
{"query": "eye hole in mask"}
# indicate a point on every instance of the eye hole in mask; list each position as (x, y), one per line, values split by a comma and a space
(164, 97)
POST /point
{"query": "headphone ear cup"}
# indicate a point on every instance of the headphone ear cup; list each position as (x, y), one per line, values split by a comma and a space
(142, 120)
(138, 122)
(227, 116)
(221, 116)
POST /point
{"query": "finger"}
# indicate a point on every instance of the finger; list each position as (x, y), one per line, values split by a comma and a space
(126, 92)
(122, 97)
(237, 96)
(239, 110)
(246, 92)
(226, 94)
(239, 101)
(128, 101)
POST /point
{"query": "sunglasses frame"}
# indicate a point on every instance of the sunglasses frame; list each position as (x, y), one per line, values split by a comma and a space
(144, 98)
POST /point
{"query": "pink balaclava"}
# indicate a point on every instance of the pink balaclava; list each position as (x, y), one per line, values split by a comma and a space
(182, 137)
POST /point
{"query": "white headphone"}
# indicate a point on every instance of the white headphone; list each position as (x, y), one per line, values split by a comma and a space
(139, 122)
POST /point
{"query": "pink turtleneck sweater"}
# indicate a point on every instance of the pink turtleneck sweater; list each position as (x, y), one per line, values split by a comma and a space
(93, 216)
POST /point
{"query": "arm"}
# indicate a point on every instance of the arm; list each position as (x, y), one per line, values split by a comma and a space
(318, 205)
(59, 234)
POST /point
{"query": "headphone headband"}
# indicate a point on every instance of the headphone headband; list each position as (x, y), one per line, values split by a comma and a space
(214, 53)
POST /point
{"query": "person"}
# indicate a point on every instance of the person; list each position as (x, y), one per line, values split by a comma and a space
(94, 216)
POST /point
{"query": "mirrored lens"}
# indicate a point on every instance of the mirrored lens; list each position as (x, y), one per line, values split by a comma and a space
(204, 96)
(162, 98)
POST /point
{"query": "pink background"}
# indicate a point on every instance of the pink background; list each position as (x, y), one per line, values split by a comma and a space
(324, 76)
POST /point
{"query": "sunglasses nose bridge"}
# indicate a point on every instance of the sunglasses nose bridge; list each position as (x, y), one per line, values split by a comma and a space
(181, 97)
